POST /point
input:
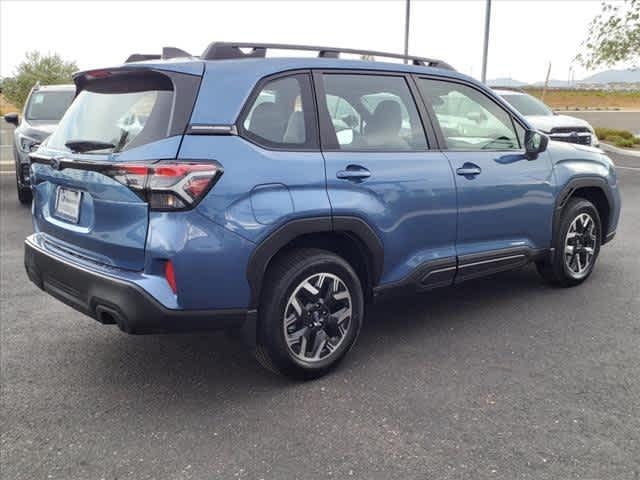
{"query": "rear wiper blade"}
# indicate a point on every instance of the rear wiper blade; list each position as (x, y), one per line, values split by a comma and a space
(81, 146)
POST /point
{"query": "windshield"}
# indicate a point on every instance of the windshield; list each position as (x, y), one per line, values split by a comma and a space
(527, 105)
(48, 105)
(120, 119)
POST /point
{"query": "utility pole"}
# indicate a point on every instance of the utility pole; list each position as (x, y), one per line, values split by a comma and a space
(487, 23)
(406, 29)
(546, 83)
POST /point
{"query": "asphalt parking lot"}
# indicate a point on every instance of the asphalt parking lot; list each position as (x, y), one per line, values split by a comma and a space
(500, 378)
(624, 120)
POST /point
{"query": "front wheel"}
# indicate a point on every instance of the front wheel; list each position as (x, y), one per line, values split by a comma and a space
(576, 243)
(310, 313)
(24, 193)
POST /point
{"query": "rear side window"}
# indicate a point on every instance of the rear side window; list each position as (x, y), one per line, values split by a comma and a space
(371, 113)
(125, 111)
(281, 115)
(470, 120)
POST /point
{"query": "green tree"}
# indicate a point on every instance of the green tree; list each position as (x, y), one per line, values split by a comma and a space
(614, 36)
(48, 69)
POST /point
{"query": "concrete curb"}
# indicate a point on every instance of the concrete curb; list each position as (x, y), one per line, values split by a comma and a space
(620, 151)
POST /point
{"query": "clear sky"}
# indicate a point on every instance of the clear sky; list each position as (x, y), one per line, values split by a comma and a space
(525, 35)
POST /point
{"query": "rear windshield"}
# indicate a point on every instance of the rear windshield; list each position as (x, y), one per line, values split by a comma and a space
(123, 113)
(49, 105)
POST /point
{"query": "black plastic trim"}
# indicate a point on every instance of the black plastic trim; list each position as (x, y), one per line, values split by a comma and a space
(428, 275)
(288, 232)
(487, 263)
(228, 50)
(568, 190)
(451, 270)
(608, 237)
(112, 300)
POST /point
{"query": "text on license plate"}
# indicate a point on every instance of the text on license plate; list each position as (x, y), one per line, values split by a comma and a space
(68, 204)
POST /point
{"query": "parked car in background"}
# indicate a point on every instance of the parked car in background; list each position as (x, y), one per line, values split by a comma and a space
(278, 196)
(43, 109)
(562, 128)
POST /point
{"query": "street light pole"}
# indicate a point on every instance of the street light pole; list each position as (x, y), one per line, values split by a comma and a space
(487, 22)
(406, 29)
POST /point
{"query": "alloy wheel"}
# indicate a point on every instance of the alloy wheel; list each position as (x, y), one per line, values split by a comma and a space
(317, 318)
(580, 244)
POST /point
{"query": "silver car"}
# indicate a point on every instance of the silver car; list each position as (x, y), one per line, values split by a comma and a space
(43, 109)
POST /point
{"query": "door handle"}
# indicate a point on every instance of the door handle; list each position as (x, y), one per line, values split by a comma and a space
(354, 173)
(469, 170)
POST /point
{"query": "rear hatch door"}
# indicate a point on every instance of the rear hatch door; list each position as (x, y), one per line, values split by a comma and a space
(122, 116)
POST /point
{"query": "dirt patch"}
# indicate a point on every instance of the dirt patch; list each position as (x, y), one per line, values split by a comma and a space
(588, 99)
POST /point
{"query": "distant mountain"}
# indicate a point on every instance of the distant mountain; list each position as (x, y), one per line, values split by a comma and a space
(614, 76)
(505, 82)
(553, 83)
(608, 76)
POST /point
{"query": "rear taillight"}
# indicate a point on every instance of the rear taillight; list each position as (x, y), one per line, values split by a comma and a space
(168, 186)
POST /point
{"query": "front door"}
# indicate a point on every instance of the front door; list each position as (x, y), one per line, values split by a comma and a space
(379, 168)
(505, 200)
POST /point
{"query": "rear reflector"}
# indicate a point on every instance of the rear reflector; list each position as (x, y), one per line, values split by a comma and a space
(170, 275)
(168, 186)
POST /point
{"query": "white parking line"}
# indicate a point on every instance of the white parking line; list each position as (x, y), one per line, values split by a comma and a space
(6, 146)
(5, 172)
(637, 169)
(7, 162)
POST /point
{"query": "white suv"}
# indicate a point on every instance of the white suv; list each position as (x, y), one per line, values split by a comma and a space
(559, 127)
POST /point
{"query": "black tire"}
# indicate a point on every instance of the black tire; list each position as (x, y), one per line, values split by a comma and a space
(557, 270)
(24, 193)
(282, 280)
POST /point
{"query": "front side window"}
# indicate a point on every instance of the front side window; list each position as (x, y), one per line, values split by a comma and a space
(48, 106)
(469, 120)
(372, 113)
(281, 114)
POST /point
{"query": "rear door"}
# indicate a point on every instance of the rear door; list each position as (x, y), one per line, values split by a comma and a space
(380, 169)
(84, 205)
(505, 200)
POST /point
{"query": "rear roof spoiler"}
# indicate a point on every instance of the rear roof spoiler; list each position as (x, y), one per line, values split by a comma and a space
(167, 53)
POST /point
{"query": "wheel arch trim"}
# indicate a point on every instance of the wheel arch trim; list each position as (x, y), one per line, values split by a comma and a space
(293, 229)
(570, 188)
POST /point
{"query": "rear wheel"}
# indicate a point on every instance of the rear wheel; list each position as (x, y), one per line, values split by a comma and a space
(577, 244)
(310, 314)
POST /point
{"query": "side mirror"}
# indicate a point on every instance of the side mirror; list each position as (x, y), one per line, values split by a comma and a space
(535, 143)
(13, 118)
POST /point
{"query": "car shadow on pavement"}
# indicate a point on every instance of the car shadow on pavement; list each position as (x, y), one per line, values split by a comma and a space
(206, 363)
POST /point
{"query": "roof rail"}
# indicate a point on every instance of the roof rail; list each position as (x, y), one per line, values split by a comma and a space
(167, 53)
(228, 50)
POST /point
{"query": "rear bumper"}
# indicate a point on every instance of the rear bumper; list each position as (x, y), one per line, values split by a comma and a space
(112, 300)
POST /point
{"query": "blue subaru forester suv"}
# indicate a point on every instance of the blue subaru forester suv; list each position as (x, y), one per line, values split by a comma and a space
(277, 196)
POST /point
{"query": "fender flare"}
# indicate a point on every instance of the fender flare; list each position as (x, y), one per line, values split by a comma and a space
(568, 190)
(293, 229)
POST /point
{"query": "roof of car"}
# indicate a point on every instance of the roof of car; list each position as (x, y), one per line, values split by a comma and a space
(56, 88)
(237, 77)
(265, 66)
